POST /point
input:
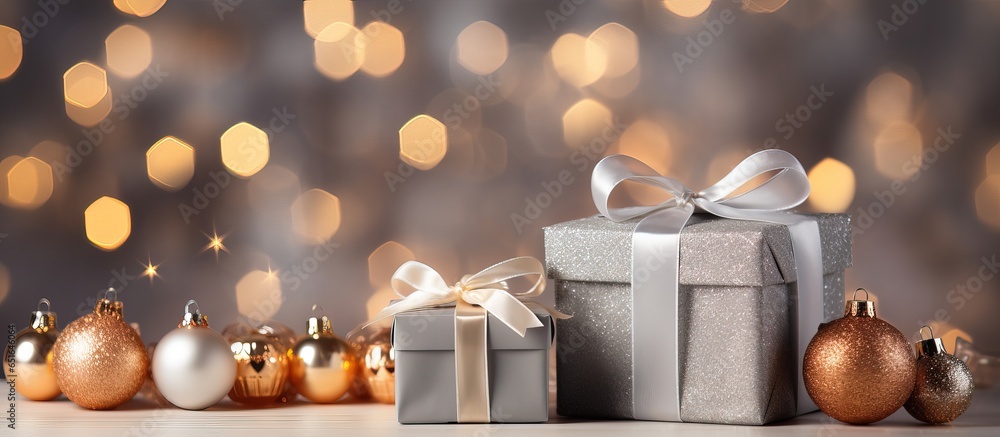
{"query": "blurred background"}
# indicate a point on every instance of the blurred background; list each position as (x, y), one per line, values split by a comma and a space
(264, 156)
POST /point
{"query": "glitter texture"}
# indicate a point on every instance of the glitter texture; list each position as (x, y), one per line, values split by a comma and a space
(943, 389)
(100, 362)
(859, 369)
(737, 353)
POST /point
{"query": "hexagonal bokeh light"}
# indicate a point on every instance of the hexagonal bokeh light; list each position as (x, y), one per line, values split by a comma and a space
(316, 215)
(170, 163)
(108, 222)
(423, 142)
(245, 149)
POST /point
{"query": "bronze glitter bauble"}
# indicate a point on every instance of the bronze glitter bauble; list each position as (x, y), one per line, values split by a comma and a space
(943, 388)
(859, 369)
(100, 361)
(322, 366)
(30, 357)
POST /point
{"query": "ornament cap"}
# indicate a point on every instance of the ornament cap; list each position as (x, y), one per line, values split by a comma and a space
(860, 308)
(319, 326)
(111, 306)
(193, 318)
(927, 347)
(43, 321)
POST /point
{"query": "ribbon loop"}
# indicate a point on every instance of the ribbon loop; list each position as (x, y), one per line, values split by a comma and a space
(656, 255)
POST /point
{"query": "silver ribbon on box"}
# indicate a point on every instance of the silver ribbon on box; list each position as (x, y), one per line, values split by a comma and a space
(656, 258)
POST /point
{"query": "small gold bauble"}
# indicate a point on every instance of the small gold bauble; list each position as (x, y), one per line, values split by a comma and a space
(100, 362)
(261, 369)
(378, 366)
(32, 374)
(944, 386)
(323, 366)
(858, 369)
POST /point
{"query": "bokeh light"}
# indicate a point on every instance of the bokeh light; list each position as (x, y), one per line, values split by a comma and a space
(585, 121)
(5, 166)
(129, 50)
(4, 282)
(384, 261)
(85, 85)
(316, 215)
(93, 115)
(274, 186)
(170, 163)
(319, 14)
(29, 183)
(139, 8)
(11, 51)
(380, 299)
(245, 149)
(340, 50)
(258, 295)
(896, 145)
(578, 62)
(833, 186)
(687, 8)
(993, 160)
(482, 47)
(889, 98)
(988, 201)
(423, 142)
(108, 223)
(763, 6)
(619, 46)
(648, 142)
(384, 49)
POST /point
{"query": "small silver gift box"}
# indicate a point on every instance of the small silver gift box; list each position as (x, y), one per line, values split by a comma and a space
(424, 343)
(736, 309)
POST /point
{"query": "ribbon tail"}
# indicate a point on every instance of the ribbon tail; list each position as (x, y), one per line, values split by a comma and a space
(418, 300)
(508, 310)
(655, 362)
(472, 380)
(807, 248)
(556, 314)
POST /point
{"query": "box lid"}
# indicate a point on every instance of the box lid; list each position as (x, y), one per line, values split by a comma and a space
(714, 250)
(434, 329)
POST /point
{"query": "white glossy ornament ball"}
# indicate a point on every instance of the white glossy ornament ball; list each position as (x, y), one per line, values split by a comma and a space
(193, 367)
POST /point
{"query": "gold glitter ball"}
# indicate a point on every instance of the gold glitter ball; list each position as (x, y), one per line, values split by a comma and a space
(100, 362)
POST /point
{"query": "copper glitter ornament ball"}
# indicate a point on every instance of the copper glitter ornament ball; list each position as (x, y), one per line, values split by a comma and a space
(100, 362)
(943, 388)
(859, 369)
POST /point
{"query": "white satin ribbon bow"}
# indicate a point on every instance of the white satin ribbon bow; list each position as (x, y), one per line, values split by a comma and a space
(422, 287)
(656, 253)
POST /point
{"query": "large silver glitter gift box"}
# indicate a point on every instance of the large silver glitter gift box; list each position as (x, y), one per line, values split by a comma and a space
(424, 343)
(736, 310)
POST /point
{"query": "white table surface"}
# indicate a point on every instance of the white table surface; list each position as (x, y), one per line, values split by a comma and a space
(142, 418)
